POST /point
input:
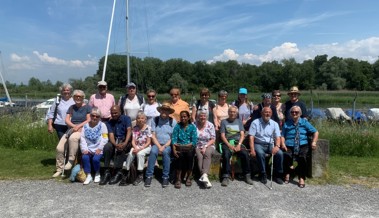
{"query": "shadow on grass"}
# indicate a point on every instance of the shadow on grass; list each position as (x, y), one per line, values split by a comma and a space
(48, 162)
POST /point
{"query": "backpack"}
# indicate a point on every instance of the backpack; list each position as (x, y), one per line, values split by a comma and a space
(156, 120)
(211, 105)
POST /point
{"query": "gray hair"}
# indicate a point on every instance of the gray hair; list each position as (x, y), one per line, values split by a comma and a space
(141, 113)
(200, 111)
(233, 107)
(294, 107)
(96, 110)
(222, 92)
(65, 86)
(79, 92)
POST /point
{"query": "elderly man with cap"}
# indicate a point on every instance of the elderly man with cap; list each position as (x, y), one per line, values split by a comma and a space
(131, 103)
(102, 100)
(266, 102)
(162, 127)
(294, 94)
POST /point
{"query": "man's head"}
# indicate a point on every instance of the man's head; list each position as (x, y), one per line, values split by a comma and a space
(132, 88)
(115, 112)
(294, 93)
(102, 87)
(266, 114)
(232, 112)
(175, 94)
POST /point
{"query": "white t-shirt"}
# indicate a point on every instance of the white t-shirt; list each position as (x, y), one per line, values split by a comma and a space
(132, 107)
(150, 111)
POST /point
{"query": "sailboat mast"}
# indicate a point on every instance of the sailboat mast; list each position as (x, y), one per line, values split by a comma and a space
(2, 80)
(127, 41)
(109, 37)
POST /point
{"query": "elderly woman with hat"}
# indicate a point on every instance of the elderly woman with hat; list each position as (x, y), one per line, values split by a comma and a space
(131, 103)
(294, 94)
(162, 127)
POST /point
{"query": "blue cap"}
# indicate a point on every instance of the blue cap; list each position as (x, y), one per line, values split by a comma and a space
(243, 91)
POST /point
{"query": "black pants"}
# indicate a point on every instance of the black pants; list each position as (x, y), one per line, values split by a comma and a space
(301, 159)
(60, 129)
(243, 155)
(110, 152)
(185, 160)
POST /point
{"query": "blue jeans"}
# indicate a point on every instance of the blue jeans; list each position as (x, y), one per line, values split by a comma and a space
(166, 158)
(261, 151)
(88, 158)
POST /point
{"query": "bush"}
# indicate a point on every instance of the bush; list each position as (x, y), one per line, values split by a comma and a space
(23, 130)
(350, 139)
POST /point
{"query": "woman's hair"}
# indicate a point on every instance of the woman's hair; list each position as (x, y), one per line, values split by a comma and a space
(296, 107)
(151, 90)
(96, 110)
(200, 111)
(79, 92)
(188, 115)
(205, 91)
(222, 92)
(141, 114)
(64, 86)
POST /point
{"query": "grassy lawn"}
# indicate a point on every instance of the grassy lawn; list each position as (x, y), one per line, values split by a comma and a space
(37, 164)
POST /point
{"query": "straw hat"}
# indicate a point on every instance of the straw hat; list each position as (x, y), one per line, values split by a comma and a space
(165, 106)
(294, 89)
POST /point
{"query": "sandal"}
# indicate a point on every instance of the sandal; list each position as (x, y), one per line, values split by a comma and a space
(188, 182)
(287, 179)
(301, 184)
(178, 184)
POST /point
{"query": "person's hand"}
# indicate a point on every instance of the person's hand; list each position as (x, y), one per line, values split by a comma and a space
(314, 145)
(98, 151)
(161, 149)
(85, 152)
(252, 153)
(237, 148)
(50, 129)
(176, 155)
(119, 146)
(275, 150)
(136, 150)
(284, 147)
(202, 151)
(75, 128)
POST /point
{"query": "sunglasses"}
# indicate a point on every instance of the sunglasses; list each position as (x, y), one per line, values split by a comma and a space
(78, 96)
(102, 87)
(151, 96)
(174, 95)
(276, 95)
(95, 116)
(204, 95)
(295, 112)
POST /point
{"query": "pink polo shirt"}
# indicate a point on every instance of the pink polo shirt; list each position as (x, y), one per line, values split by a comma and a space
(104, 103)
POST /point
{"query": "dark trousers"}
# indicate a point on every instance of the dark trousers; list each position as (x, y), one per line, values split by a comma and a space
(301, 159)
(185, 160)
(60, 129)
(110, 152)
(243, 155)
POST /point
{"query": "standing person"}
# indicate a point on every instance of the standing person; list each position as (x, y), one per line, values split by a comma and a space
(131, 103)
(205, 146)
(295, 133)
(266, 102)
(56, 115)
(245, 107)
(92, 140)
(162, 128)
(141, 140)
(77, 116)
(205, 105)
(119, 134)
(184, 140)
(232, 136)
(280, 108)
(294, 94)
(150, 107)
(265, 139)
(221, 109)
(102, 100)
(177, 104)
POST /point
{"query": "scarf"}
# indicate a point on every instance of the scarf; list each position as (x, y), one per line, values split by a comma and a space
(92, 134)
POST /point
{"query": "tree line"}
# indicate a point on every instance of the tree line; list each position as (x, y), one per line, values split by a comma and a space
(320, 73)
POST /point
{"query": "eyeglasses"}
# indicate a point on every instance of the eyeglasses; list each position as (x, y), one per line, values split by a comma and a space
(131, 87)
(95, 116)
(102, 87)
(204, 95)
(78, 96)
(151, 96)
(174, 95)
(293, 94)
(295, 112)
(276, 96)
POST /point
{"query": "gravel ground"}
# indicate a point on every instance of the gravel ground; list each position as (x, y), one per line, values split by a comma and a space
(56, 198)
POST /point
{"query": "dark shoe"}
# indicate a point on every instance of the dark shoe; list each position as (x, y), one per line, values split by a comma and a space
(116, 179)
(178, 184)
(225, 181)
(123, 181)
(138, 180)
(165, 183)
(248, 179)
(106, 178)
(264, 178)
(148, 181)
(279, 180)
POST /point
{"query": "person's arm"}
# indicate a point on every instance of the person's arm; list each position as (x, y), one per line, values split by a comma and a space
(251, 142)
(314, 140)
(194, 111)
(240, 141)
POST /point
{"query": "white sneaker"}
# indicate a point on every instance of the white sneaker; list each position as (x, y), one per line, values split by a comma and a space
(208, 184)
(88, 179)
(97, 177)
(202, 177)
(56, 174)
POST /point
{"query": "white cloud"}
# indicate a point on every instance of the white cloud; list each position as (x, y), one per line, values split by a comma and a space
(45, 58)
(17, 58)
(366, 49)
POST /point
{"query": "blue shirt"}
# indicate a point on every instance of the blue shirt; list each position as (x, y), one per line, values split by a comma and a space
(289, 131)
(79, 115)
(119, 127)
(163, 130)
(184, 136)
(264, 133)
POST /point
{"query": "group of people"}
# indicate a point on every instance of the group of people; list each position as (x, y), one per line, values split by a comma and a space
(123, 134)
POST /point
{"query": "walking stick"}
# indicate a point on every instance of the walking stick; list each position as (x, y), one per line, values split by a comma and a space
(64, 156)
(272, 169)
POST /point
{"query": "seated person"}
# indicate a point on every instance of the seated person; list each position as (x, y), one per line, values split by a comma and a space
(141, 140)
(92, 140)
(232, 136)
(265, 139)
(184, 139)
(295, 133)
(119, 134)
(205, 147)
(162, 128)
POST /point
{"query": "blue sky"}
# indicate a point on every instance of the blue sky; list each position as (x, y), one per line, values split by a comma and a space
(62, 39)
